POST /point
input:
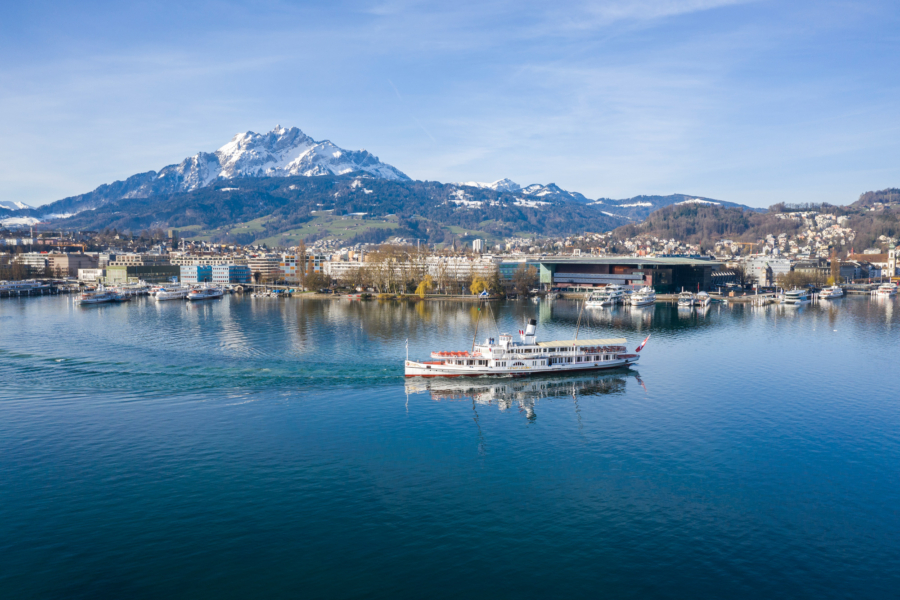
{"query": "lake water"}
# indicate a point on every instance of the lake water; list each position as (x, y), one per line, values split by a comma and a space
(272, 448)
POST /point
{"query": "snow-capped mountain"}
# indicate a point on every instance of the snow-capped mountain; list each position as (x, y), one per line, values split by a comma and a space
(536, 191)
(281, 152)
(13, 205)
(551, 191)
(501, 185)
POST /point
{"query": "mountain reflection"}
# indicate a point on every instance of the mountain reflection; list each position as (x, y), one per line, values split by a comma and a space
(520, 393)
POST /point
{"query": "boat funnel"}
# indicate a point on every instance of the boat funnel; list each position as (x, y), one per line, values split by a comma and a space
(530, 328)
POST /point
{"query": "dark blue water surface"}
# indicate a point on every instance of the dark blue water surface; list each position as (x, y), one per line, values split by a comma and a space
(272, 448)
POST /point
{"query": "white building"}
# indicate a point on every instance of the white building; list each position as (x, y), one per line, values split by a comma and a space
(478, 246)
(92, 275)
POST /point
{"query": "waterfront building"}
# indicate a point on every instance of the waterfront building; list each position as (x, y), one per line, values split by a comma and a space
(32, 260)
(267, 265)
(119, 274)
(764, 270)
(664, 275)
(207, 258)
(508, 268)
(293, 264)
(196, 273)
(91, 275)
(68, 264)
(230, 273)
(139, 260)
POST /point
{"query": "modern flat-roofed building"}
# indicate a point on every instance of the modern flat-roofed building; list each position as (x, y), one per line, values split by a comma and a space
(117, 274)
(292, 264)
(230, 274)
(665, 275)
(33, 260)
(196, 273)
(68, 264)
(268, 267)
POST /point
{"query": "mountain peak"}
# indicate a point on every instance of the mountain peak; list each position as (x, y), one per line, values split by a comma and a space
(501, 185)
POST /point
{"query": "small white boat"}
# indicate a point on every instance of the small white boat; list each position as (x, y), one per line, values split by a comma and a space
(831, 292)
(886, 289)
(685, 300)
(210, 293)
(702, 299)
(643, 297)
(795, 297)
(597, 300)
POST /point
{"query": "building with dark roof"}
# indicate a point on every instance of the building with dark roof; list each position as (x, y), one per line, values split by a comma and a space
(663, 274)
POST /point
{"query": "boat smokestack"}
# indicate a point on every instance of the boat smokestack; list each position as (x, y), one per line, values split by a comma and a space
(531, 327)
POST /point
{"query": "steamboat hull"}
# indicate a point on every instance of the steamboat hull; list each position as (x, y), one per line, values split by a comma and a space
(438, 369)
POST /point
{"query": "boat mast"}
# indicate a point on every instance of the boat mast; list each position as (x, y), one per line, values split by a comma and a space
(578, 324)
(475, 337)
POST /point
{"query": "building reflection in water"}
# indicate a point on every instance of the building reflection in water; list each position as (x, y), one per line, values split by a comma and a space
(523, 393)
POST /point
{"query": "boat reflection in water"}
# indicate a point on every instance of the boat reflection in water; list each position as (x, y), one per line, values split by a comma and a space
(522, 393)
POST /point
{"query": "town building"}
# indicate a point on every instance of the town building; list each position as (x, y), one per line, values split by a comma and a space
(68, 264)
(91, 275)
(139, 260)
(268, 267)
(32, 260)
(665, 275)
(196, 273)
(292, 264)
(119, 274)
(230, 274)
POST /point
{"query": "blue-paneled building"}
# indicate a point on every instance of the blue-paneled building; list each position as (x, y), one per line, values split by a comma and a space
(196, 273)
(230, 274)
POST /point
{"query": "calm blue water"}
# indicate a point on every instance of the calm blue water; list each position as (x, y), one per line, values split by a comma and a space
(266, 448)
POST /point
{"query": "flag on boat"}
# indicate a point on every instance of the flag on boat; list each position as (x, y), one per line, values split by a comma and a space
(641, 347)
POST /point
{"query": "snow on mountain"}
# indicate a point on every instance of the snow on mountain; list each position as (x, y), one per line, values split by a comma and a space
(281, 152)
(18, 221)
(501, 185)
(551, 191)
(699, 201)
(13, 205)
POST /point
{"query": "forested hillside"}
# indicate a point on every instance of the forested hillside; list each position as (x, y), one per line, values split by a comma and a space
(425, 210)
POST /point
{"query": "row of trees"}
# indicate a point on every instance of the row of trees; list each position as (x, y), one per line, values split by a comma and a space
(403, 269)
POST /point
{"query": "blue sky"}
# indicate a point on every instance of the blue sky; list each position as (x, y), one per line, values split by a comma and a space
(752, 102)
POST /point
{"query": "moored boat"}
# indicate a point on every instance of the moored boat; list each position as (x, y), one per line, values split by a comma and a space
(795, 297)
(210, 293)
(702, 299)
(643, 297)
(173, 293)
(685, 300)
(101, 295)
(831, 292)
(886, 289)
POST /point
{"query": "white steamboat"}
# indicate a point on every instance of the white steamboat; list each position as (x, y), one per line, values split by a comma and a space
(506, 358)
